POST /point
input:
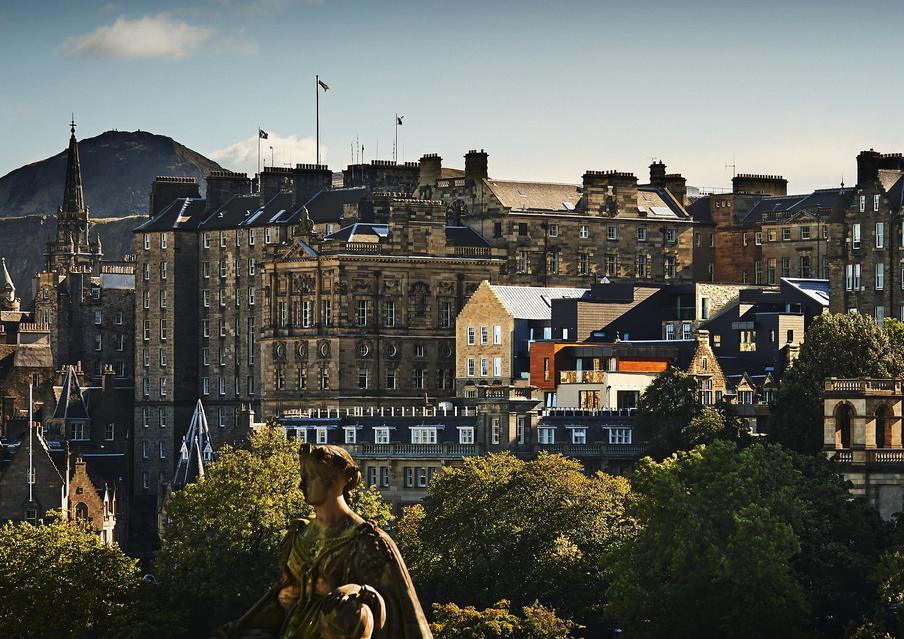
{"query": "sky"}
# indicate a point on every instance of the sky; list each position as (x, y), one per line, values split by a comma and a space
(548, 89)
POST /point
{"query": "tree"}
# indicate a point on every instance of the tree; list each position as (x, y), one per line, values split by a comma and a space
(498, 622)
(842, 345)
(59, 580)
(219, 549)
(528, 530)
(750, 543)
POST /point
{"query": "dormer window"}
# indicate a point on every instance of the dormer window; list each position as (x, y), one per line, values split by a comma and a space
(423, 435)
(381, 435)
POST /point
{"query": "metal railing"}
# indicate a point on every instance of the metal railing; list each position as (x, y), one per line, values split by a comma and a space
(597, 450)
(397, 449)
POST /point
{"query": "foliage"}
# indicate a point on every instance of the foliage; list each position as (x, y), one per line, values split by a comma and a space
(498, 622)
(59, 580)
(748, 543)
(842, 345)
(531, 530)
(219, 551)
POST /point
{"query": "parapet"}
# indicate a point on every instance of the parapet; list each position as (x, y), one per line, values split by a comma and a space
(175, 179)
(312, 167)
(225, 175)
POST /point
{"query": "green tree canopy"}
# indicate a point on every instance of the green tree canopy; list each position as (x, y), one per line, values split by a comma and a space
(841, 345)
(527, 530)
(219, 547)
(748, 543)
(499, 622)
(59, 580)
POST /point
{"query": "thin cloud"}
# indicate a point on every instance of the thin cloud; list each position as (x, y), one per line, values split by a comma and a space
(288, 150)
(158, 36)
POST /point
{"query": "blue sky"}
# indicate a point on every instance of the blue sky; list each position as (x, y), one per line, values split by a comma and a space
(549, 89)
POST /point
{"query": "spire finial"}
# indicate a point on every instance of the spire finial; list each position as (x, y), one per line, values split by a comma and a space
(72, 124)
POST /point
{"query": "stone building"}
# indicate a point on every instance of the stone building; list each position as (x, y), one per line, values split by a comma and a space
(496, 327)
(367, 315)
(862, 433)
(87, 303)
(866, 269)
(568, 234)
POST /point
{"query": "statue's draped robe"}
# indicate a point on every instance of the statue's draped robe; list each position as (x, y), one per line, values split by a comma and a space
(357, 554)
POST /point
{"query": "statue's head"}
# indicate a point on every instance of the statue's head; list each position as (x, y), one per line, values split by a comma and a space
(326, 472)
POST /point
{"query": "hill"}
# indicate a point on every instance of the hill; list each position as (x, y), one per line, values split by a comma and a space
(117, 170)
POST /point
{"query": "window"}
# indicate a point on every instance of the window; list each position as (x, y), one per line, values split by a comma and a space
(381, 435)
(520, 429)
(743, 239)
(804, 268)
(423, 435)
(326, 311)
(222, 328)
(250, 296)
(147, 242)
(875, 202)
(880, 234)
(554, 261)
(268, 235)
(205, 328)
(98, 343)
(251, 266)
(222, 239)
(669, 267)
(855, 235)
(619, 435)
(612, 232)
(445, 314)
(786, 267)
(611, 265)
(372, 476)
(497, 229)
(484, 335)
(144, 453)
(583, 264)
(205, 386)
(670, 236)
(805, 232)
(321, 435)
(497, 367)
(670, 331)
(205, 356)
(484, 367)
(880, 314)
(361, 312)
(471, 336)
(584, 232)
(466, 435)
(686, 330)
(250, 237)
(351, 434)
(163, 330)
(421, 477)
(758, 238)
(578, 435)
(641, 233)
(771, 235)
(390, 379)
(162, 357)
(471, 367)
(390, 313)
(419, 350)
(363, 378)
(161, 447)
(880, 276)
(522, 228)
(324, 378)
(523, 262)
(862, 203)
(786, 234)
(163, 240)
(205, 298)
(110, 432)
(641, 265)
(697, 239)
(553, 230)
(747, 341)
(280, 381)
(856, 277)
(420, 378)
(494, 430)
(163, 270)
(770, 271)
(547, 435)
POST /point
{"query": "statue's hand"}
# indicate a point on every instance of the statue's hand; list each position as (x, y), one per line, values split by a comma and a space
(352, 612)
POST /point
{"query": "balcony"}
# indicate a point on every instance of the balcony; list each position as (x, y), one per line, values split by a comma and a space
(472, 251)
(414, 451)
(869, 456)
(596, 450)
(582, 377)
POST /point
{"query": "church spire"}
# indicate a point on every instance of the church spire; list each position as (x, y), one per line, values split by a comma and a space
(73, 193)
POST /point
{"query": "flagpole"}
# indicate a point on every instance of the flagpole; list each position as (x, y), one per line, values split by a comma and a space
(258, 158)
(317, 92)
(395, 146)
(31, 466)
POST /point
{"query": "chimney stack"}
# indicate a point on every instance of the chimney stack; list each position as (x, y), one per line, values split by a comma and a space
(476, 165)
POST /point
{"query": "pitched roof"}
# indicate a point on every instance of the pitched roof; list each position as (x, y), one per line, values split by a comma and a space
(71, 403)
(546, 196)
(73, 192)
(360, 232)
(196, 449)
(183, 213)
(328, 205)
(232, 213)
(817, 204)
(275, 211)
(532, 302)
(818, 290)
(464, 236)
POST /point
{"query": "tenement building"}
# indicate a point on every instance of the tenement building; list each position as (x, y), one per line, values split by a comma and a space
(866, 270)
(569, 234)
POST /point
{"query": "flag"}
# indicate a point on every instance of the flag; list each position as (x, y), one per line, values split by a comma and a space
(399, 119)
(262, 134)
(323, 85)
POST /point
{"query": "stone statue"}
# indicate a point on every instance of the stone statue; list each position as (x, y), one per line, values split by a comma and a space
(342, 577)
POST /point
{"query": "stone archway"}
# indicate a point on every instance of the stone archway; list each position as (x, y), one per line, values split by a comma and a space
(844, 418)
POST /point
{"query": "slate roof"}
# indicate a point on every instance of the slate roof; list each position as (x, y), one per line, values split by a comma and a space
(275, 211)
(464, 236)
(699, 209)
(183, 213)
(328, 204)
(360, 232)
(818, 290)
(532, 302)
(817, 204)
(123, 281)
(546, 196)
(232, 213)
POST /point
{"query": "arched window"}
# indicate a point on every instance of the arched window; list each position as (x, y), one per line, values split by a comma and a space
(843, 426)
(81, 511)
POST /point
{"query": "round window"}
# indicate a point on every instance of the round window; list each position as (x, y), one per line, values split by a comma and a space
(392, 350)
(363, 350)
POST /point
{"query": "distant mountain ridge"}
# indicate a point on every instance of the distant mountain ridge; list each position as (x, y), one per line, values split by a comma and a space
(118, 168)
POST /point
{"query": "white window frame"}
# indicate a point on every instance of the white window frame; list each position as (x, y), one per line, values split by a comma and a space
(546, 435)
(381, 435)
(466, 435)
(423, 435)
